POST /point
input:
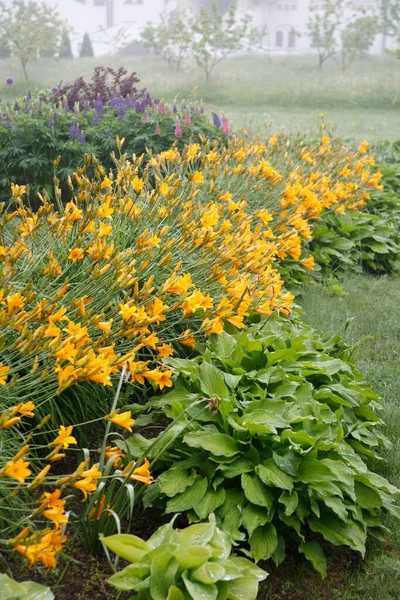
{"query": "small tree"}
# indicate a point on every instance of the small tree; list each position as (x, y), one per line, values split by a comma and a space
(357, 37)
(171, 41)
(323, 26)
(31, 29)
(86, 48)
(65, 46)
(214, 37)
(390, 17)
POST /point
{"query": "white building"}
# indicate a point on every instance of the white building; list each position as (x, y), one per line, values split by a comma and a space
(286, 20)
(104, 20)
(108, 21)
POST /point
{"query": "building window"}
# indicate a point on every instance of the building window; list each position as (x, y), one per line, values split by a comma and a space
(279, 39)
(292, 39)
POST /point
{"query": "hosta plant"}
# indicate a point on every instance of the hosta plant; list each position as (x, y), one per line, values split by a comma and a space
(278, 453)
(26, 590)
(192, 563)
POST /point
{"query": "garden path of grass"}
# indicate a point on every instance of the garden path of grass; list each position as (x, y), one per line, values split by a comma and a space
(373, 304)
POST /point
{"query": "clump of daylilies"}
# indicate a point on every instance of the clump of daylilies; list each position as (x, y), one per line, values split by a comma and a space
(141, 265)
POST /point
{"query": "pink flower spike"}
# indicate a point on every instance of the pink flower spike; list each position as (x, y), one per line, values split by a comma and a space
(178, 129)
(158, 130)
(163, 110)
(225, 125)
(188, 120)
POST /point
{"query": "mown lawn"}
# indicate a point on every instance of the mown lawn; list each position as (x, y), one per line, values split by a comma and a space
(373, 305)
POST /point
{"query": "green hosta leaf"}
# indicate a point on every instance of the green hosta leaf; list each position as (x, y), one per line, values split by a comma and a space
(279, 555)
(272, 475)
(27, 590)
(129, 577)
(314, 553)
(350, 534)
(210, 502)
(10, 589)
(372, 479)
(212, 381)
(237, 467)
(223, 345)
(263, 542)
(254, 517)
(192, 557)
(249, 568)
(209, 438)
(232, 571)
(314, 471)
(367, 497)
(299, 438)
(200, 591)
(288, 462)
(290, 500)
(163, 570)
(175, 481)
(190, 497)
(263, 421)
(35, 591)
(175, 593)
(245, 588)
(336, 505)
(197, 535)
(164, 535)
(256, 492)
(220, 544)
(209, 573)
(137, 445)
(130, 547)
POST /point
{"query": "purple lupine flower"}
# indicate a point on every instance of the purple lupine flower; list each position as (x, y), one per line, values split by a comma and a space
(175, 109)
(225, 125)
(29, 96)
(16, 107)
(95, 118)
(216, 120)
(10, 81)
(99, 106)
(158, 130)
(178, 129)
(86, 110)
(201, 110)
(8, 121)
(54, 89)
(66, 105)
(74, 131)
(52, 122)
(188, 120)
